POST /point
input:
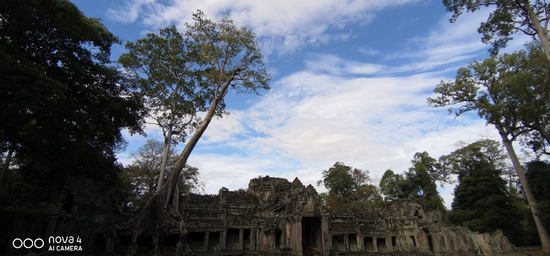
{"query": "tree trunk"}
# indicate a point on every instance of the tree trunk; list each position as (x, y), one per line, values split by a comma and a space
(172, 180)
(167, 143)
(543, 234)
(542, 33)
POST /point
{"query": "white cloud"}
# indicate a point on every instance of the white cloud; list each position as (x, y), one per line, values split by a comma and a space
(130, 12)
(447, 43)
(369, 51)
(284, 25)
(221, 130)
(447, 193)
(311, 120)
(334, 65)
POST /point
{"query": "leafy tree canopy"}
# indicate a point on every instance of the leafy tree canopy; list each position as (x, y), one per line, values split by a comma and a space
(507, 18)
(393, 186)
(66, 106)
(510, 90)
(348, 188)
(418, 184)
(164, 65)
(342, 180)
(422, 177)
(481, 200)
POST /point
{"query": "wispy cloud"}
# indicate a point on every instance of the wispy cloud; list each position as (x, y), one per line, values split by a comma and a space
(446, 44)
(334, 65)
(368, 51)
(129, 12)
(284, 26)
(311, 120)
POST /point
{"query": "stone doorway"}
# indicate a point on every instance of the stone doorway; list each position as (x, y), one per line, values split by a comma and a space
(311, 236)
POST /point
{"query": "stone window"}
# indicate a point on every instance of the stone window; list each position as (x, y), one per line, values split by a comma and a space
(195, 240)
(232, 241)
(338, 242)
(352, 240)
(413, 241)
(213, 241)
(368, 243)
(278, 239)
(247, 241)
(381, 242)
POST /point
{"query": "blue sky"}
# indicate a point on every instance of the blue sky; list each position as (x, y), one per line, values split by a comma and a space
(349, 83)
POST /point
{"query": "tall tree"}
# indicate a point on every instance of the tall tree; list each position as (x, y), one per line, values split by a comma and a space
(528, 98)
(484, 87)
(481, 201)
(509, 17)
(393, 186)
(343, 181)
(165, 67)
(417, 185)
(229, 58)
(422, 177)
(348, 188)
(62, 104)
(492, 152)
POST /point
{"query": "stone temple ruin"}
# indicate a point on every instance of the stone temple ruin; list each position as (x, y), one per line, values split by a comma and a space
(276, 217)
(273, 217)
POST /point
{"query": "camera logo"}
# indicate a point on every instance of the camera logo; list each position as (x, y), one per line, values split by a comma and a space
(28, 243)
(55, 244)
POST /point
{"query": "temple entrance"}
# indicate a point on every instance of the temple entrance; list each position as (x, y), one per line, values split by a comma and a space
(311, 235)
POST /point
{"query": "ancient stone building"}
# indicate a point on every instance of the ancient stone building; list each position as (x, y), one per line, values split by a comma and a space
(276, 217)
(272, 217)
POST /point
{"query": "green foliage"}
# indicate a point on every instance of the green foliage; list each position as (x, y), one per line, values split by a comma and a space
(510, 90)
(64, 103)
(348, 189)
(487, 150)
(422, 177)
(393, 186)
(417, 185)
(507, 18)
(538, 174)
(339, 181)
(164, 65)
(481, 200)
(140, 178)
(228, 54)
